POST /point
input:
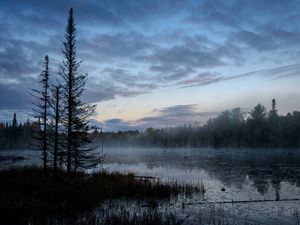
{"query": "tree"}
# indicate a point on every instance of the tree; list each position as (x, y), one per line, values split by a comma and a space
(55, 113)
(273, 111)
(14, 122)
(258, 113)
(41, 107)
(76, 113)
(14, 131)
(274, 125)
(257, 126)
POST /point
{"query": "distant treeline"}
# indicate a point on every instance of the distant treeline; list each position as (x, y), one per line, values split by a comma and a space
(255, 129)
(14, 135)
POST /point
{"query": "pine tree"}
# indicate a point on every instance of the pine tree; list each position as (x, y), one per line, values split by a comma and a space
(274, 125)
(273, 112)
(14, 131)
(14, 122)
(76, 113)
(41, 111)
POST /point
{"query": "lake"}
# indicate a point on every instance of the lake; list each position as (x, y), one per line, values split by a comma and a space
(227, 174)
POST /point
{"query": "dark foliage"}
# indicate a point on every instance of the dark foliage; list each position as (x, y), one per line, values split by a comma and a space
(30, 193)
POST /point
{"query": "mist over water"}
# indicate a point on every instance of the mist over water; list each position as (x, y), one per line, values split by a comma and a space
(242, 174)
(245, 174)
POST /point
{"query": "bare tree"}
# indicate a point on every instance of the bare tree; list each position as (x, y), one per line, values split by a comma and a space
(41, 111)
(56, 139)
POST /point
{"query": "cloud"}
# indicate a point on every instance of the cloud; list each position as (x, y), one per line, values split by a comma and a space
(177, 115)
(115, 124)
(111, 47)
(97, 13)
(140, 11)
(14, 96)
(209, 15)
(170, 72)
(201, 79)
(191, 53)
(184, 55)
(16, 58)
(254, 40)
(124, 77)
(118, 125)
(134, 47)
(117, 83)
(266, 38)
(102, 91)
(207, 78)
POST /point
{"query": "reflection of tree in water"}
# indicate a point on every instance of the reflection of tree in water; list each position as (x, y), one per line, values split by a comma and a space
(276, 185)
(260, 180)
(263, 169)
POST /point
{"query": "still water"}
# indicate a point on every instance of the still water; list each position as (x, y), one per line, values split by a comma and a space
(227, 175)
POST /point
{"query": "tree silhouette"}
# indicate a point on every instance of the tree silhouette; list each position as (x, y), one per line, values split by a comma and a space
(14, 122)
(56, 108)
(41, 111)
(258, 114)
(274, 125)
(76, 113)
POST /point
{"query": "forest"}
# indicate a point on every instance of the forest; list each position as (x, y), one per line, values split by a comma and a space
(232, 128)
(255, 129)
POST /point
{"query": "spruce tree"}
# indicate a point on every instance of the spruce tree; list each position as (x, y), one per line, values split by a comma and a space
(14, 122)
(76, 113)
(274, 125)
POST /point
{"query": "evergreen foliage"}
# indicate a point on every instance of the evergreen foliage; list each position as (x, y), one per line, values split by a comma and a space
(76, 113)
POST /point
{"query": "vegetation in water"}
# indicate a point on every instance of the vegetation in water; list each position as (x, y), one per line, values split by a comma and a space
(30, 193)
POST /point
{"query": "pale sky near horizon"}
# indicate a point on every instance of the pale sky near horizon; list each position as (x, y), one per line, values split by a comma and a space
(157, 63)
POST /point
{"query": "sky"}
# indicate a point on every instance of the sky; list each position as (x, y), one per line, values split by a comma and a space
(154, 63)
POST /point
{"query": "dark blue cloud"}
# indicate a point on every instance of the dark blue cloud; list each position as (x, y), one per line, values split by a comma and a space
(134, 47)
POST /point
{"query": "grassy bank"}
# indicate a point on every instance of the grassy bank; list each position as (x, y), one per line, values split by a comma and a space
(30, 193)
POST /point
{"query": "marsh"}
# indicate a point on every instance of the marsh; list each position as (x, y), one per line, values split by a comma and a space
(244, 176)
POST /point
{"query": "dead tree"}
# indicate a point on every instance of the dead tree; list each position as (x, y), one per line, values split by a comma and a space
(41, 111)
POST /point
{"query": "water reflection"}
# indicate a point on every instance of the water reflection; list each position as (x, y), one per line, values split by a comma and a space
(245, 174)
(264, 169)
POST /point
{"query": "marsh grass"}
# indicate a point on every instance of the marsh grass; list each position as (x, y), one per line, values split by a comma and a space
(125, 216)
(28, 194)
